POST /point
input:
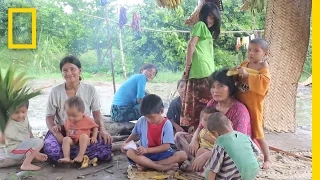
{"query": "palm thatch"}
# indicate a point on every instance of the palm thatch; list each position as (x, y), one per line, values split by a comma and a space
(13, 92)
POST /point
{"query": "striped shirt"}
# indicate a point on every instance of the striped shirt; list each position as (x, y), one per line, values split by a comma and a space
(222, 164)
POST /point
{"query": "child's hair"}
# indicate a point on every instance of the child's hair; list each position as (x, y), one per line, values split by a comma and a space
(221, 76)
(207, 110)
(76, 102)
(70, 59)
(24, 104)
(179, 82)
(151, 104)
(148, 66)
(217, 122)
(211, 9)
(261, 42)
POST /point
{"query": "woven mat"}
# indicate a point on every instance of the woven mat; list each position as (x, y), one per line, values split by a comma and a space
(284, 168)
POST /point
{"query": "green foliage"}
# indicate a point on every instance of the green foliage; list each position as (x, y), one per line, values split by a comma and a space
(13, 92)
(77, 32)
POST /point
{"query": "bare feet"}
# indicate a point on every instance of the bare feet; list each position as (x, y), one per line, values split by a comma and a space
(29, 167)
(174, 167)
(266, 165)
(65, 160)
(41, 157)
(141, 168)
(78, 159)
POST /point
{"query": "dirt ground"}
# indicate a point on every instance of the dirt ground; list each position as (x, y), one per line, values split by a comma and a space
(298, 141)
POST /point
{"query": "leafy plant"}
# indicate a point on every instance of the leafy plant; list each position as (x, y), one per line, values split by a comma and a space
(13, 92)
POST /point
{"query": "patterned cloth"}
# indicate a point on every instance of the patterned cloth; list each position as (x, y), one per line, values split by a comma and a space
(124, 113)
(54, 150)
(197, 95)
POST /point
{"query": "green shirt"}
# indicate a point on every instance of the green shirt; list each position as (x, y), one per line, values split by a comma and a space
(203, 59)
(243, 153)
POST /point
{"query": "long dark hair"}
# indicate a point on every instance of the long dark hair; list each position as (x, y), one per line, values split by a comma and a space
(211, 9)
(71, 59)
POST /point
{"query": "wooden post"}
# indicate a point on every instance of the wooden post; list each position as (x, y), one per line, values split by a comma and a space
(110, 48)
(122, 55)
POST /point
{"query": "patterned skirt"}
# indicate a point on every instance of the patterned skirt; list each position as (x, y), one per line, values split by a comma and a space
(197, 95)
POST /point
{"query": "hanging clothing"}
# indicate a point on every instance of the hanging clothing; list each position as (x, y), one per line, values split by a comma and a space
(135, 25)
(247, 40)
(238, 44)
(252, 37)
(122, 17)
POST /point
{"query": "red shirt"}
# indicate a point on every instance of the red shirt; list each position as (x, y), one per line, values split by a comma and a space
(155, 133)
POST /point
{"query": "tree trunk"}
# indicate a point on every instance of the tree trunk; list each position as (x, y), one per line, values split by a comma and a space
(287, 31)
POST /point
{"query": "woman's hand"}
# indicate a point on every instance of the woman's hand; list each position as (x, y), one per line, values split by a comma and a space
(57, 128)
(106, 137)
(59, 137)
(185, 75)
(193, 147)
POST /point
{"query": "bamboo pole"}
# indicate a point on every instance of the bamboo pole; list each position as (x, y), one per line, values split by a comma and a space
(110, 48)
(122, 55)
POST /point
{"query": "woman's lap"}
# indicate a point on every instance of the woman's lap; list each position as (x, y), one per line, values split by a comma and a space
(124, 113)
(54, 150)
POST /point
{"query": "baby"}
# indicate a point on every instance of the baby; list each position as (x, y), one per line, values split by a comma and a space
(78, 127)
(206, 138)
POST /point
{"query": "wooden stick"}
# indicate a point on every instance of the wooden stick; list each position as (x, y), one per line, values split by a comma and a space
(289, 154)
(98, 170)
(42, 88)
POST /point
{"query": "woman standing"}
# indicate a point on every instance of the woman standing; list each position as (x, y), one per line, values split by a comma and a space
(70, 67)
(200, 64)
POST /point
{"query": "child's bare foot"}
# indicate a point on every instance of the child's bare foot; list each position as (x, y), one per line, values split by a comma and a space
(65, 160)
(78, 159)
(174, 166)
(266, 165)
(41, 157)
(29, 167)
(141, 168)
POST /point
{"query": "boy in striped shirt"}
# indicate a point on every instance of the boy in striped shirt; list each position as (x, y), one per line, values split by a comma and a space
(234, 156)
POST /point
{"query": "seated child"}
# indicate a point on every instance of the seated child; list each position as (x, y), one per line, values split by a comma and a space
(174, 111)
(234, 156)
(19, 141)
(156, 135)
(206, 138)
(78, 128)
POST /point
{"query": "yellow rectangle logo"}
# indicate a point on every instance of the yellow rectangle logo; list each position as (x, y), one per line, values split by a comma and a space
(33, 12)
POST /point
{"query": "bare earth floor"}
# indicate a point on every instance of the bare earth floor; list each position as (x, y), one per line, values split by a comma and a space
(298, 141)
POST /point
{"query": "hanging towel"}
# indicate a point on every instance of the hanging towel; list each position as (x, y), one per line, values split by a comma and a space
(247, 40)
(252, 37)
(122, 17)
(238, 44)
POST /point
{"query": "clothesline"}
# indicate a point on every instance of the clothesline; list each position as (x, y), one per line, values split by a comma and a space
(179, 31)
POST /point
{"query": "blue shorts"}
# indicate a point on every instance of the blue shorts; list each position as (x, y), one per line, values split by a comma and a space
(156, 156)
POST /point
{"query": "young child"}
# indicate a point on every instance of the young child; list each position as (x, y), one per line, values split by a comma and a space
(19, 141)
(78, 128)
(156, 135)
(206, 138)
(234, 156)
(174, 111)
(253, 89)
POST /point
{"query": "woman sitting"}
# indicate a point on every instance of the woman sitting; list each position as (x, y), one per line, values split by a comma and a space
(70, 67)
(222, 88)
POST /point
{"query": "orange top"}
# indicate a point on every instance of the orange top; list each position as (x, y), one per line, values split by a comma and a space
(75, 129)
(252, 92)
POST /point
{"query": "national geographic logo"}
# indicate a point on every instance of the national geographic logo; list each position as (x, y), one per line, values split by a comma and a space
(33, 12)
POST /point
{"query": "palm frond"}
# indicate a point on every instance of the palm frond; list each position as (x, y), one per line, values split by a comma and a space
(13, 92)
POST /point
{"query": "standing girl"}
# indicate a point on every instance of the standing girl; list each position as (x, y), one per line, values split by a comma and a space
(199, 64)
